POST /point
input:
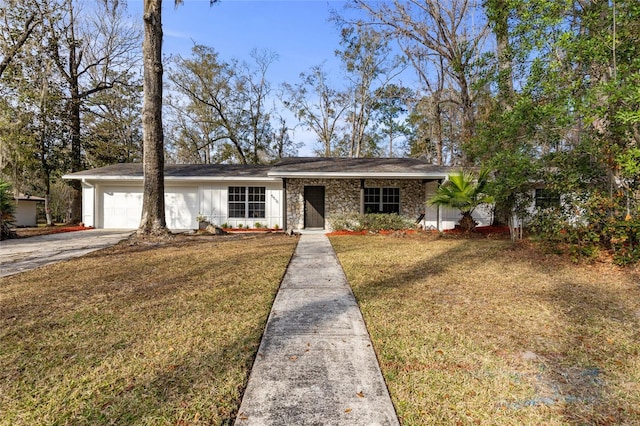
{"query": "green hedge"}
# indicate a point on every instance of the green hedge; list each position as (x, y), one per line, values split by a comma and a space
(370, 222)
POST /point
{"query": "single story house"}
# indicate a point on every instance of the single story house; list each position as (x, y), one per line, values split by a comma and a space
(295, 193)
(26, 210)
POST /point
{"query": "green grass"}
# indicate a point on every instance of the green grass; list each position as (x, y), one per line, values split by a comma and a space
(138, 334)
(481, 332)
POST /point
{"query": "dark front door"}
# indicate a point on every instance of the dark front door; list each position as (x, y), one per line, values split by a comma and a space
(314, 207)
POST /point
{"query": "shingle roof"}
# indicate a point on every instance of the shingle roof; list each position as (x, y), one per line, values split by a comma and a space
(288, 167)
(351, 167)
(27, 197)
(175, 171)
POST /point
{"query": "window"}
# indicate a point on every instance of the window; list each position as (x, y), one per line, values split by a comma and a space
(546, 199)
(382, 200)
(247, 202)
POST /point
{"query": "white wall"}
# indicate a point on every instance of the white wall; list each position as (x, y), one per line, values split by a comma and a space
(214, 203)
(118, 205)
(88, 205)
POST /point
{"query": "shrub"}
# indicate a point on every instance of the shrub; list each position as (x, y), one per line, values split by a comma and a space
(625, 241)
(7, 210)
(594, 224)
(346, 222)
(371, 222)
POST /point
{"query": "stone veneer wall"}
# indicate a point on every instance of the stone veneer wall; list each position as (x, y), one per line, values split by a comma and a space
(342, 196)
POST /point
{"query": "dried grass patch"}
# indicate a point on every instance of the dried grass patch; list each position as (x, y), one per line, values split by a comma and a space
(481, 332)
(157, 333)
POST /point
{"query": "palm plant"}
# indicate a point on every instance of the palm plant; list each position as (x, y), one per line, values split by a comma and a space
(464, 191)
(7, 210)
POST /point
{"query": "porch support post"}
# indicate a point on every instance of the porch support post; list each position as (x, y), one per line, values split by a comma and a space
(438, 224)
(361, 196)
(284, 204)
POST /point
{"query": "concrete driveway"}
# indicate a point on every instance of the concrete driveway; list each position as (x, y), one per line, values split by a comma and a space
(23, 254)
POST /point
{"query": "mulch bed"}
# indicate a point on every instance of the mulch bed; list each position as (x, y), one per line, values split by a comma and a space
(47, 230)
(486, 231)
(365, 232)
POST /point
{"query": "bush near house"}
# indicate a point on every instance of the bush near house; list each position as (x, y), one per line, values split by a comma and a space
(589, 228)
(370, 222)
(464, 191)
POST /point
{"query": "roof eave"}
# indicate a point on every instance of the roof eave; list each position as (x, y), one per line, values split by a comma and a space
(173, 178)
(371, 175)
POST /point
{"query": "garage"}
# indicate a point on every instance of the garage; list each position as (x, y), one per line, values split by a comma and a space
(122, 207)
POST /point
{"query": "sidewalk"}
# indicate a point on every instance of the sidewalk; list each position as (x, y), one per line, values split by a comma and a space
(316, 364)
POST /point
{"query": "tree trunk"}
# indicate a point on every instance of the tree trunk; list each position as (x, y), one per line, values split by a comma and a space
(498, 11)
(47, 205)
(153, 215)
(76, 156)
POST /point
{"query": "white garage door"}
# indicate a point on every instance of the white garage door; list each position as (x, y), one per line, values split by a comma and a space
(122, 207)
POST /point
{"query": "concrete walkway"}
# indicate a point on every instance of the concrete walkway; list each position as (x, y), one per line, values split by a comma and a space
(22, 254)
(316, 364)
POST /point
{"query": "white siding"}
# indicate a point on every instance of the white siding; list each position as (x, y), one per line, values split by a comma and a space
(214, 204)
(431, 212)
(181, 207)
(88, 205)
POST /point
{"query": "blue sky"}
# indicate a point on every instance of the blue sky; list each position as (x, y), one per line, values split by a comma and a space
(297, 30)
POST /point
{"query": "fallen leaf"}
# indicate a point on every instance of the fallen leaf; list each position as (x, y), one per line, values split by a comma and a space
(348, 410)
(293, 357)
(242, 416)
(360, 394)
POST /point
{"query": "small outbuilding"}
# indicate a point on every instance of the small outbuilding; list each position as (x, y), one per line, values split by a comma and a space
(27, 210)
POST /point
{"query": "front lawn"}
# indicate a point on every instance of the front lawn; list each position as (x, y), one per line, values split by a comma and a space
(159, 333)
(481, 332)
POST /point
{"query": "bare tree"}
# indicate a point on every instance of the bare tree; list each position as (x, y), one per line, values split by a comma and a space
(318, 106)
(92, 49)
(229, 99)
(443, 32)
(369, 64)
(19, 20)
